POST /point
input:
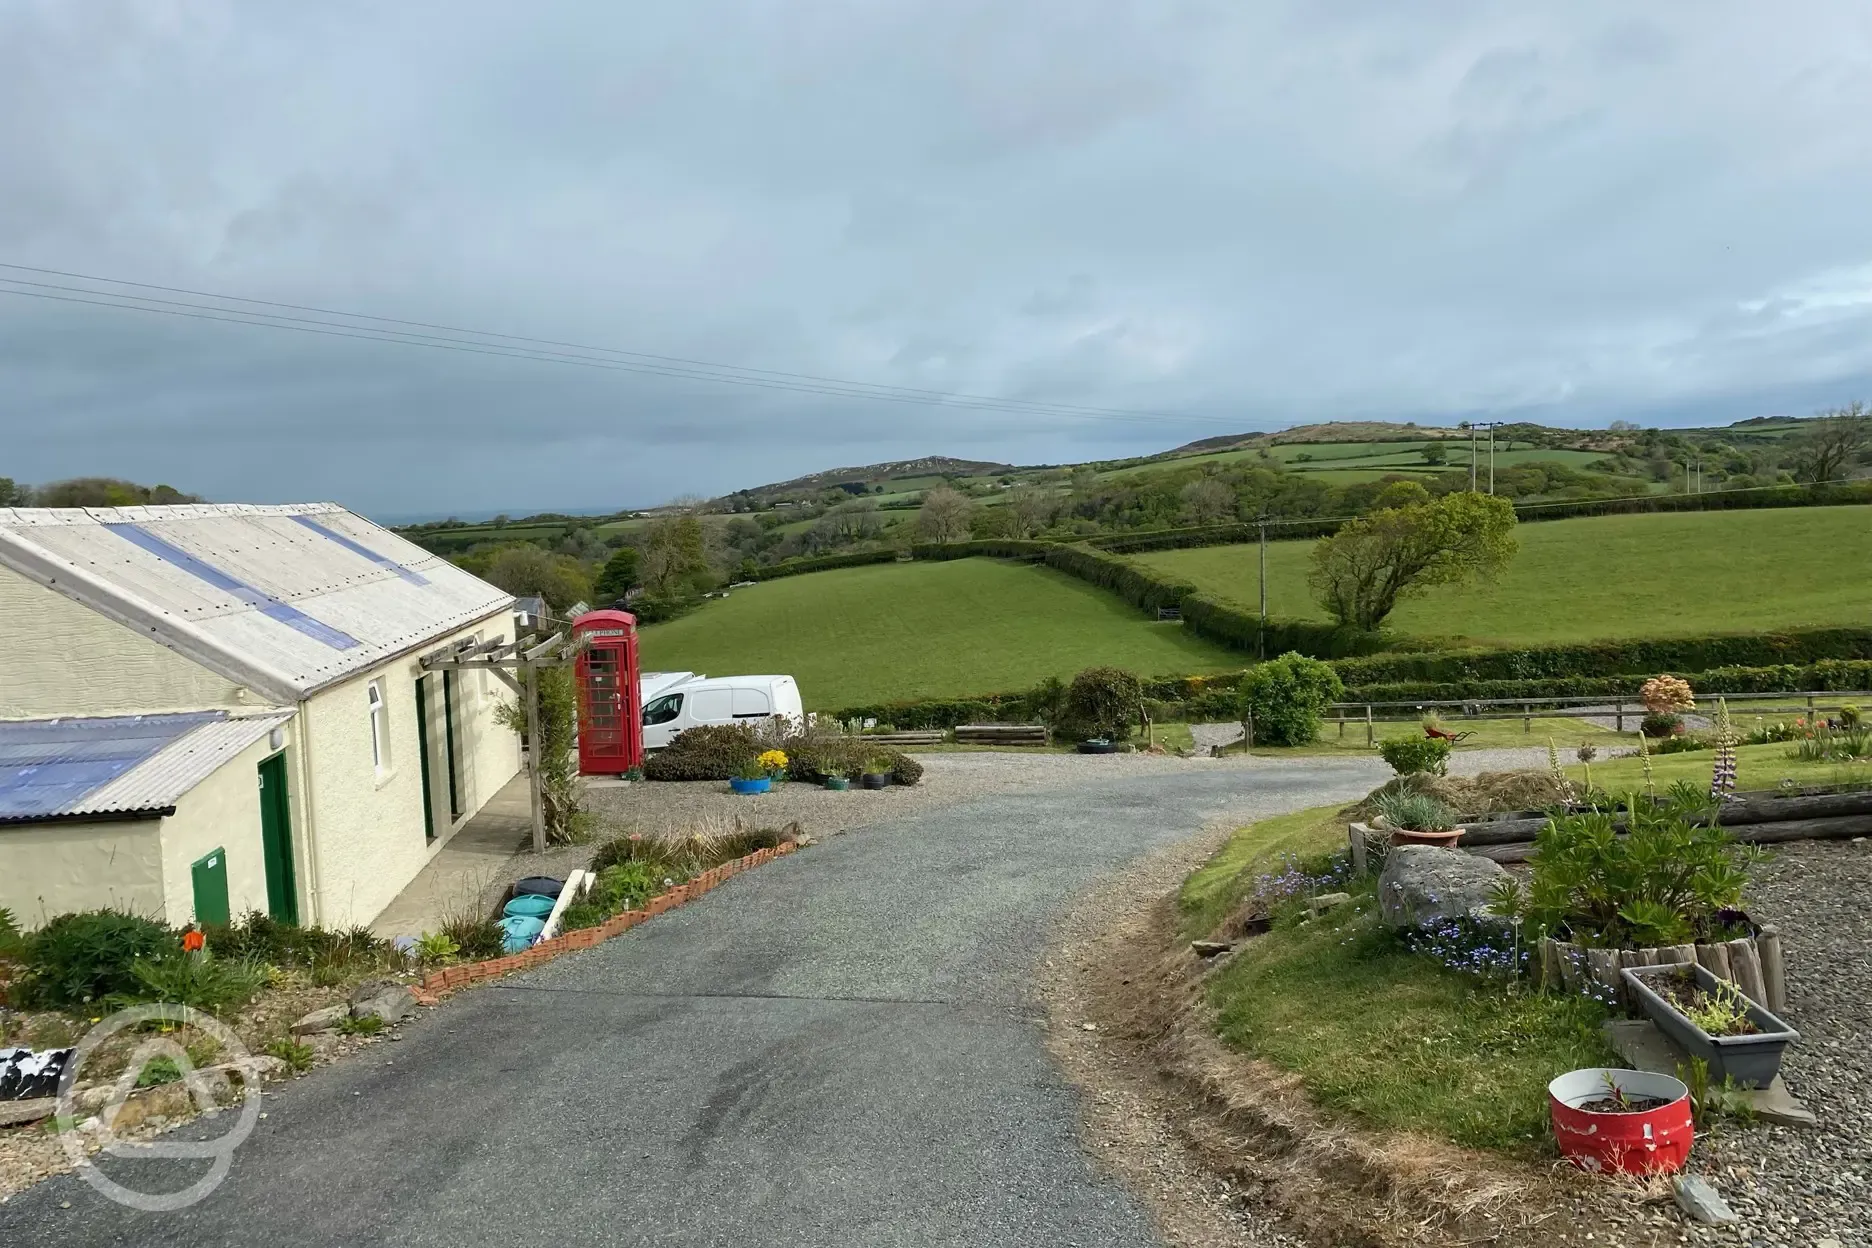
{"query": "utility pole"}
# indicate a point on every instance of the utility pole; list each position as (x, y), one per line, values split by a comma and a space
(1491, 457)
(1261, 627)
(1472, 453)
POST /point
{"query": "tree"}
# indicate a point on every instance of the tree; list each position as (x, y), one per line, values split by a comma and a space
(1029, 511)
(1361, 572)
(944, 517)
(675, 556)
(1435, 454)
(1208, 501)
(618, 576)
(14, 495)
(107, 492)
(1829, 446)
(855, 520)
(525, 571)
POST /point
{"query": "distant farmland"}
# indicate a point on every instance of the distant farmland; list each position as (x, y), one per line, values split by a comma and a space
(906, 630)
(1608, 576)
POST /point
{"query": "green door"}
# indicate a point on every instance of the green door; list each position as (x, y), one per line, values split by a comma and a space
(209, 874)
(422, 753)
(448, 741)
(276, 841)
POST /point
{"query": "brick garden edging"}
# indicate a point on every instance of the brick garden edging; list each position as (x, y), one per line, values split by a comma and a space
(436, 983)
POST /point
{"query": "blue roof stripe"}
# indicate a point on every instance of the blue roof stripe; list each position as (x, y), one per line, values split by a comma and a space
(358, 548)
(49, 766)
(265, 603)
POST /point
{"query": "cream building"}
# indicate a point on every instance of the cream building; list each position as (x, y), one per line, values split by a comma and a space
(215, 708)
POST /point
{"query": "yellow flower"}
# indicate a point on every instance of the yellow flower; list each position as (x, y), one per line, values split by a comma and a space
(773, 760)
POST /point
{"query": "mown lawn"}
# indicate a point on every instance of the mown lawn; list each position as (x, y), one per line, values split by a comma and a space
(1607, 576)
(1389, 1037)
(920, 630)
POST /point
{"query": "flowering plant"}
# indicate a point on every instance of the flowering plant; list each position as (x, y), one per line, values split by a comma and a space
(1666, 695)
(773, 763)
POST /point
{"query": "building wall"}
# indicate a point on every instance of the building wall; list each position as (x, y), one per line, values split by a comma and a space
(222, 812)
(63, 658)
(49, 869)
(368, 837)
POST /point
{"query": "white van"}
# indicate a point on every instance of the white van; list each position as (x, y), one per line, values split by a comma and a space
(673, 701)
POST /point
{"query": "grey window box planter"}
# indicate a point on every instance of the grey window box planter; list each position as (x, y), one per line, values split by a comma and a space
(1752, 1061)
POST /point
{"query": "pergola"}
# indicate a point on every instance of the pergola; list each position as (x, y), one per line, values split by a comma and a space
(514, 662)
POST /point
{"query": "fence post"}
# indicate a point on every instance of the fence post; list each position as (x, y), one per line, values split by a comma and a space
(1371, 733)
(1527, 718)
(1619, 710)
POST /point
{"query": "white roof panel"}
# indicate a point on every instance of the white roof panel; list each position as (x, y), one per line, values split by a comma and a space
(161, 780)
(284, 599)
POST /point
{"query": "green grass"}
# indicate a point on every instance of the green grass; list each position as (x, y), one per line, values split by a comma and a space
(1567, 733)
(919, 630)
(1383, 1035)
(1606, 576)
(1397, 1041)
(1218, 885)
(1757, 767)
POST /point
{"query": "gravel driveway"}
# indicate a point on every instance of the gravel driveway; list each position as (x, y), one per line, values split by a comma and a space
(1801, 1187)
(843, 1047)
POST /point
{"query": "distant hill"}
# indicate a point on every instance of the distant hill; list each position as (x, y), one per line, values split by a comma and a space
(874, 474)
(1329, 431)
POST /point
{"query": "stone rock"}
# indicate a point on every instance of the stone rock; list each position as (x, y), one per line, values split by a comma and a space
(1423, 883)
(92, 1099)
(1209, 948)
(18, 1113)
(321, 1020)
(1326, 901)
(386, 999)
(1701, 1202)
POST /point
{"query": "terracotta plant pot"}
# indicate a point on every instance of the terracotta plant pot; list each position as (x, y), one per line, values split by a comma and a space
(1444, 838)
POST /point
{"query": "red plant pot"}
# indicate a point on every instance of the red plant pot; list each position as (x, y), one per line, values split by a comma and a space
(1653, 1141)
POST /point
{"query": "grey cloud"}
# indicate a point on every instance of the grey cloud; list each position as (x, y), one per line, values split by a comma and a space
(1237, 214)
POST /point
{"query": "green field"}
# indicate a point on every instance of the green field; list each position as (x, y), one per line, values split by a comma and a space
(909, 630)
(1607, 576)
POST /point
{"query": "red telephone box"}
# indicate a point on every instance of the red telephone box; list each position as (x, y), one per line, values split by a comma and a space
(610, 701)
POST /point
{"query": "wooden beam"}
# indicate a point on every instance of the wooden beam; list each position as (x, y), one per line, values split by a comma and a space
(534, 746)
(555, 642)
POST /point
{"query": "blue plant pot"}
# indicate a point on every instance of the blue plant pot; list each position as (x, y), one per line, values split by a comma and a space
(751, 786)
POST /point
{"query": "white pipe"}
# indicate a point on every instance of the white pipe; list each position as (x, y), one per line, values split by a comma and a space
(576, 883)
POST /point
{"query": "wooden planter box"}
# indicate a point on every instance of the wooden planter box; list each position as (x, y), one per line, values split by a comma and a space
(1752, 963)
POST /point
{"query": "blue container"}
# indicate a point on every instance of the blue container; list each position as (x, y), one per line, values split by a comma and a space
(529, 906)
(518, 932)
(751, 786)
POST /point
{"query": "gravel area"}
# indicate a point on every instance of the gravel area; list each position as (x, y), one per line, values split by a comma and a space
(1808, 1188)
(665, 807)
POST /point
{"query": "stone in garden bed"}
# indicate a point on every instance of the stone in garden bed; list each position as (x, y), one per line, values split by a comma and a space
(1423, 884)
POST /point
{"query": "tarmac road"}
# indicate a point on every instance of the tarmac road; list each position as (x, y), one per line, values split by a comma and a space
(841, 1048)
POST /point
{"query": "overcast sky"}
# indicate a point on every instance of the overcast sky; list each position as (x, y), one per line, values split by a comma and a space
(1236, 213)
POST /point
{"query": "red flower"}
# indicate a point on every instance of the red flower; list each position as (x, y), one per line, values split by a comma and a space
(193, 941)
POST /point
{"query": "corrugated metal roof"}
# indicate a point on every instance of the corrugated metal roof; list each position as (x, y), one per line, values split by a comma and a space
(58, 769)
(283, 599)
(49, 766)
(165, 776)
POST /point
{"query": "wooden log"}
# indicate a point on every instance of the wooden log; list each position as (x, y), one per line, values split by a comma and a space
(1551, 975)
(1829, 828)
(1501, 853)
(1745, 964)
(1603, 967)
(1774, 972)
(1572, 966)
(1776, 809)
(1637, 957)
(1715, 960)
(1671, 954)
(1355, 845)
(1502, 831)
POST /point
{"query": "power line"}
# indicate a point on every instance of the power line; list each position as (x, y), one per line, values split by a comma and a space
(530, 348)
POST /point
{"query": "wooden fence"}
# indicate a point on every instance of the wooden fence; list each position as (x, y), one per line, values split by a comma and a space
(1527, 710)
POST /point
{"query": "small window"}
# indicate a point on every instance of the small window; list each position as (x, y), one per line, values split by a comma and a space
(751, 703)
(663, 709)
(379, 727)
(711, 706)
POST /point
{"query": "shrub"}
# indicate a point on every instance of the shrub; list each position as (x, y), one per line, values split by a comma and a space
(706, 752)
(12, 943)
(1288, 697)
(1413, 811)
(1849, 717)
(1102, 702)
(80, 958)
(198, 980)
(256, 937)
(624, 887)
(297, 1055)
(1672, 878)
(1665, 695)
(477, 937)
(1410, 756)
(1658, 724)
